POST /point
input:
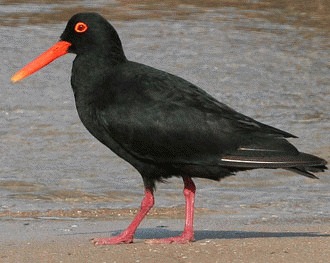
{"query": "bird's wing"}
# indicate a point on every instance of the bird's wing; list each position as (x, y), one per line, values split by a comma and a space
(160, 117)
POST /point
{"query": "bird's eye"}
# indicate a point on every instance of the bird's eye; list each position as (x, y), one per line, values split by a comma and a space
(80, 27)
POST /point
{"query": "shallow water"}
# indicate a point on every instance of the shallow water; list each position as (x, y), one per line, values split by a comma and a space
(269, 61)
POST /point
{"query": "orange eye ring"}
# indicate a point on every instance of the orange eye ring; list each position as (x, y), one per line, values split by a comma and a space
(80, 27)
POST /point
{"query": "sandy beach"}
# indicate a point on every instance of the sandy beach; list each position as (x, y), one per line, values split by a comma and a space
(58, 238)
(253, 243)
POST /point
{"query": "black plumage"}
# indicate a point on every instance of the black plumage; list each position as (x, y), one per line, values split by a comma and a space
(164, 125)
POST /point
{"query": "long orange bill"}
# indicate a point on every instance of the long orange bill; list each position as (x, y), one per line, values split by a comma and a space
(56, 51)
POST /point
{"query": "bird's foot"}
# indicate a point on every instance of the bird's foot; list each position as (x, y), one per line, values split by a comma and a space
(120, 239)
(183, 239)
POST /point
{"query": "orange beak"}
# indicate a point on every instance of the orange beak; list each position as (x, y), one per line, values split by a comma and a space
(56, 51)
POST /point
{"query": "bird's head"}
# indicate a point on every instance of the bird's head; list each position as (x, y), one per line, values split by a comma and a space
(84, 33)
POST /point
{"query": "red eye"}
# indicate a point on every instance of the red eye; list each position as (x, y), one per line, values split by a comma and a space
(80, 27)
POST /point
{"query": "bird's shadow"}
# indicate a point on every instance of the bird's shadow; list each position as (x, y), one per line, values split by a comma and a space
(147, 233)
(151, 233)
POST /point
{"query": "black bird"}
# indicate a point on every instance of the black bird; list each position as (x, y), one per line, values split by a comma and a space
(160, 123)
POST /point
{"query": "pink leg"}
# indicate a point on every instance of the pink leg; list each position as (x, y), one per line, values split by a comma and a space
(188, 232)
(127, 235)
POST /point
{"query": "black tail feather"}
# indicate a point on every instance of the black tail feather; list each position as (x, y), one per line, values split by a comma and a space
(301, 163)
(302, 171)
(306, 171)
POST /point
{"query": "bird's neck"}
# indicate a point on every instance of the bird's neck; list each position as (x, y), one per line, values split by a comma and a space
(89, 73)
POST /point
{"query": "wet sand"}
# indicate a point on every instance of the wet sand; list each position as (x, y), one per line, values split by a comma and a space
(64, 236)
(68, 241)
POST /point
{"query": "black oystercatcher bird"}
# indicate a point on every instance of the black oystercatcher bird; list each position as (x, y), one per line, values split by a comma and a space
(160, 123)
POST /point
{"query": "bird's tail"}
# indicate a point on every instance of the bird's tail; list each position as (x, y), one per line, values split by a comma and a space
(273, 155)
